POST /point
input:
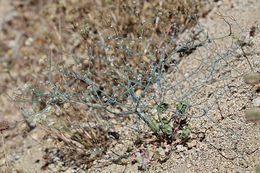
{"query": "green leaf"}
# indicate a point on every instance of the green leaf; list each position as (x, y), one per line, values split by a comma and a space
(167, 129)
(182, 106)
(185, 133)
(257, 169)
(154, 127)
(162, 108)
(139, 159)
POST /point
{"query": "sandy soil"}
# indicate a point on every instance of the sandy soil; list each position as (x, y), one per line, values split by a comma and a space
(223, 140)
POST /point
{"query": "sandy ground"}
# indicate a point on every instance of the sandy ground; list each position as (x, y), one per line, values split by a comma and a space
(230, 145)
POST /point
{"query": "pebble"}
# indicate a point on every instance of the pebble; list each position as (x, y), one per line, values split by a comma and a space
(66, 106)
(215, 170)
(2, 161)
(29, 41)
(178, 156)
(68, 170)
(52, 167)
(193, 136)
(256, 102)
(181, 148)
(201, 135)
(192, 144)
(138, 93)
(256, 87)
(17, 157)
(124, 161)
(37, 136)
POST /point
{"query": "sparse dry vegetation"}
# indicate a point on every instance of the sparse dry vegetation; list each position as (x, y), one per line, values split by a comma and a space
(106, 79)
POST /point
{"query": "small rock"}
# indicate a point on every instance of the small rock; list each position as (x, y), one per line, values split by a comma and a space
(52, 167)
(215, 170)
(66, 106)
(68, 170)
(37, 136)
(256, 102)
(252, 78)
(124, 161)
(2, 161)
(257, 88)
(201, 135)
(180, 148)
(193, 136)
(17, 157)
(29, 41)
(191, 144)
(203, 130)
(138, 93)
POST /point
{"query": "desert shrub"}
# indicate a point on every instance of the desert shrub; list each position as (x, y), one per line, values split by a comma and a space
(126, 75)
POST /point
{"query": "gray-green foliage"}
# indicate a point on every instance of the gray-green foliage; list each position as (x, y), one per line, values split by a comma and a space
(161, 109)
(257, 169)
(124, 73)
(165, 124)
(185, 133)
(182, 107)
(167, 128)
